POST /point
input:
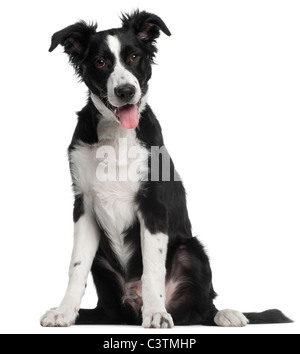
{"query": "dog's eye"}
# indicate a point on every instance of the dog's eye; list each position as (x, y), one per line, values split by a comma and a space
(134, 58)
(101, 63)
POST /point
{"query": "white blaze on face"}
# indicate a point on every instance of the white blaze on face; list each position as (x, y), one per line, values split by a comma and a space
(120, 76)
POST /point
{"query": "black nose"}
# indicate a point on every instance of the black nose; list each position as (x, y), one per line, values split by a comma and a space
(125, 92)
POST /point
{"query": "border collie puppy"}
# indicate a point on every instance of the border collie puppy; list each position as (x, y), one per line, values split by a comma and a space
(132, 227)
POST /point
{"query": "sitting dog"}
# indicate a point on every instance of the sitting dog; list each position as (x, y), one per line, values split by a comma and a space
(132, 227)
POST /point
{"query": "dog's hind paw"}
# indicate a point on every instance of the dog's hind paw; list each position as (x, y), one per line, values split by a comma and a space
(157, 320)
(230, 318)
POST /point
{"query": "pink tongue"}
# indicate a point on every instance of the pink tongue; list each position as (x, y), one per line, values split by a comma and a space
(129, 116)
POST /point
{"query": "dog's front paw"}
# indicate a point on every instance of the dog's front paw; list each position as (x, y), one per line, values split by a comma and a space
(157, 320)
(60, 317)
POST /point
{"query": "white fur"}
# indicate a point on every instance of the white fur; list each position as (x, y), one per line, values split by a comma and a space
(120, 75)
(113, 199)
(86, 241)
(154, 252)
(230, 318)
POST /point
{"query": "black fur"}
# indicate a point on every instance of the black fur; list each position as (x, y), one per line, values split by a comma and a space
(162, 204)
(270, 316)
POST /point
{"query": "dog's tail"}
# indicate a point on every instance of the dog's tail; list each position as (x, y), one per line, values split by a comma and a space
(267, 317)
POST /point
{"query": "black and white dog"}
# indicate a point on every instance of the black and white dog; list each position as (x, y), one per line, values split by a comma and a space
(132, 228)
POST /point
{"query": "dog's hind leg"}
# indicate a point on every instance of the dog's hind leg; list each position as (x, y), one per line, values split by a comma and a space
(230, 318)
(190, 294)
(189, 290)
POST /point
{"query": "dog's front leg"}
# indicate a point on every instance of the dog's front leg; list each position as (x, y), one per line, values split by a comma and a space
(86, 242)
(154, 251)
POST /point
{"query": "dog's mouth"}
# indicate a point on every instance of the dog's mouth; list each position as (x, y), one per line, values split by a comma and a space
(127, 115)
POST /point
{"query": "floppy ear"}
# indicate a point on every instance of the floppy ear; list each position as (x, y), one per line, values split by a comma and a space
(146, 26)
(74, 39)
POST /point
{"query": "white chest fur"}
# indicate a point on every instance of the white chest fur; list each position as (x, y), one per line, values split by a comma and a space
(109, 174)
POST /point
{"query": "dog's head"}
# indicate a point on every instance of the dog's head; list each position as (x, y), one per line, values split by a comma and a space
(115, 64)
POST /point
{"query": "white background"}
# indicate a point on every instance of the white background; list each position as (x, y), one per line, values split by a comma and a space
(226, 92)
